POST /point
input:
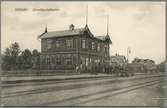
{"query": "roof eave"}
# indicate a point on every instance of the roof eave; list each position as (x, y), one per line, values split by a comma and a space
(40, 36)
(60, 36)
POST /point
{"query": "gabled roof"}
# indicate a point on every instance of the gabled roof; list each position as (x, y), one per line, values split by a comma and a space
(101, 37)
(74, 32)
(104, 38)
(61, 33)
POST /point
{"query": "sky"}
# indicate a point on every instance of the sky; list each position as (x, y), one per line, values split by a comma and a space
(137, 25)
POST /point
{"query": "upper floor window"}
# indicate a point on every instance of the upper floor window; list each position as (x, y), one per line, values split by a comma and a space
(83, 43)
(57, 44)
(49, 43)
(93, 45)
(106, 48)
(98, 47)
(69, 43)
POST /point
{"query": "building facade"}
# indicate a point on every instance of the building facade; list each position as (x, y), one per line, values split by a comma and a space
(118, 60)
(69, 49)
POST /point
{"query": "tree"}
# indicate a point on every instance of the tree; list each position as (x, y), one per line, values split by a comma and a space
(13, 58)
(10, 57)
(36, 58)
(6, 64)
(15, 49)
(26, 59)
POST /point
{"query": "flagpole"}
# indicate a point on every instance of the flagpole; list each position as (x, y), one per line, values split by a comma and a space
(87, 14)
(107, 24)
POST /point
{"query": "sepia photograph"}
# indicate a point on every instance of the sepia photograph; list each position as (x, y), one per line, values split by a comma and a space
(83, 53)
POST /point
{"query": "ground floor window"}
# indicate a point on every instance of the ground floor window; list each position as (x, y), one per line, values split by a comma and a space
(47, 60)
(90, 60)
(97, 60)
(69, 60)
(53, 60)
(87, 61)
(58, 60)
(82, 60)
(43, 61)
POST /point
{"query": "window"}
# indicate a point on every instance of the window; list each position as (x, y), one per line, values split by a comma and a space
(83, 60)
(69, 60)
(93, 45)
(49, 43)
(98, 47)
(83, 44)
(58, 60)
(57, 44)
(105, 48)
(90, 60)
(43, 61)
(53, 60)
(48, 60)
(87, 61)
(98, 60)
(69, 43)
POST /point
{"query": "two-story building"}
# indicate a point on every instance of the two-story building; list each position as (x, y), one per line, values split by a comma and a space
(68, 49)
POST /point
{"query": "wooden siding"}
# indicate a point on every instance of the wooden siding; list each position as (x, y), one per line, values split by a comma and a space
(77, 52)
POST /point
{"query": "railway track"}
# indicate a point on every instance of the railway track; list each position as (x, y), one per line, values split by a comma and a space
(6, 84)
(83, 99)
(68, 86)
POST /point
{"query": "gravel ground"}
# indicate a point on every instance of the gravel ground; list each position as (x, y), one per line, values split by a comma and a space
(51, 96)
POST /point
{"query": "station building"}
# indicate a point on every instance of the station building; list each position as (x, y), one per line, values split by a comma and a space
(67, 49)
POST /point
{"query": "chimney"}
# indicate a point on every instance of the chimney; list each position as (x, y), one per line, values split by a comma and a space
(71, 27)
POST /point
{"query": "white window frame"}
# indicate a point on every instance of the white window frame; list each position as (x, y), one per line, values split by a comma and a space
(53, 60)
(69, 60)
(98, 47)
(57, 44)
(48, 61)
(93, 45)
(83, 43)
(58, 60)
(49, 43)
(105, 48)
(69, 43)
